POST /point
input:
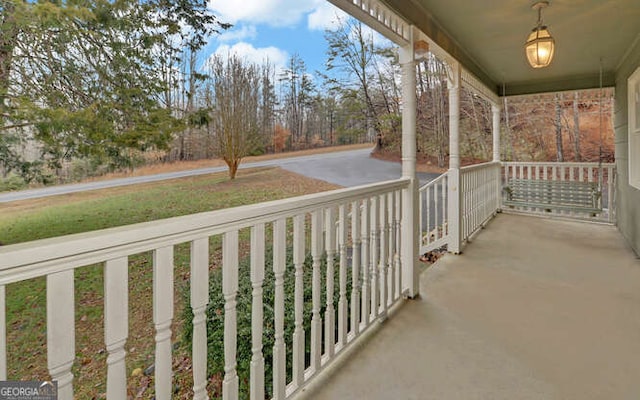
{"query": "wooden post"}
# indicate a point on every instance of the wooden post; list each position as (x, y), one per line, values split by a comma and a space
(355, 268)
(279, 346)
(375, 257)
(316, 288)
(257, 314)
(61, 337)
(298, 333)
(162, 317)
(343, 307)
(383, 259)
(230, 292)
(366, 260)
(199, 301)
(329, 313)
(116, 325)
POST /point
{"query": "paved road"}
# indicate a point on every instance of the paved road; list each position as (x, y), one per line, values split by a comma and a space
(345, 168)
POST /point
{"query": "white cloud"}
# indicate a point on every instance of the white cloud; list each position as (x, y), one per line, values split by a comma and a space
(276, 57)
(236, 34)
(271, 12)
(325, 16)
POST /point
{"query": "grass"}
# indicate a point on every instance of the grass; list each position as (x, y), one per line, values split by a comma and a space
(80, 212)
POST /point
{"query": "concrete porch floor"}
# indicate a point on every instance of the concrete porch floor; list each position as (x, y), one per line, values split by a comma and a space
(534, 309)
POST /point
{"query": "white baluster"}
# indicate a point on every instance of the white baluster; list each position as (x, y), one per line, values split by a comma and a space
(298, 333)
(375, 252)
(3, 334)
(61, 331)
(435, 212)
(316, 288)
(343, 309)
(279, 349)
(366, 254)
(600, 186)
(329, 315)
(398, 225)
(392, 247)
(116, 325)
(422, 194)
(257, 319)
(444, 208)
(199, 300)
(497, 188)
(355, 268)
(382, 262)
(162, 317)
(230, 293)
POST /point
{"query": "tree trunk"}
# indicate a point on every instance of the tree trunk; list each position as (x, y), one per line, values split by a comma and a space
(558, 124)
(233, 167)
(576, 128)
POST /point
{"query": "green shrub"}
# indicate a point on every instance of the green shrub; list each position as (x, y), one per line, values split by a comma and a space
(12, 182)
(84, 168)
(215, 319)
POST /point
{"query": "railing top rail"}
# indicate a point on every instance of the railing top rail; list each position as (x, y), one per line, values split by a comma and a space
(555, 163)
(432, 182)
(474, 167)
(37, 258)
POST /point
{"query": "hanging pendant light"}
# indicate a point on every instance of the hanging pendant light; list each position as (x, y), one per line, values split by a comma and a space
(540, 44)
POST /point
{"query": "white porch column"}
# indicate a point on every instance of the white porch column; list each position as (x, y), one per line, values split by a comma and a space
(454, 205)
(495, 109)
(410, 213)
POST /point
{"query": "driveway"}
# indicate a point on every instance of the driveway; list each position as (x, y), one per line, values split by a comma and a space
(349, 168)
(345, 168)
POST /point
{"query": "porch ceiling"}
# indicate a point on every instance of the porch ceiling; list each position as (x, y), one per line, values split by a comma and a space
(488, 38)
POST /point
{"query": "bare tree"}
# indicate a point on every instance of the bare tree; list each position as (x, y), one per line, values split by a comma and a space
(235, 97)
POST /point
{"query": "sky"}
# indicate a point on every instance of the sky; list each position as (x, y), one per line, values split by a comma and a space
(274, 29)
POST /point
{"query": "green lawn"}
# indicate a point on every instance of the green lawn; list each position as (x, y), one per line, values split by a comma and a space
(60, 215)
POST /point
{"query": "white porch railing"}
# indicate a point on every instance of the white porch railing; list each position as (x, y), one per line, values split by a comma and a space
(602, 174)
(479, 201)
(434, 231)
(480, 191)
(357, 230)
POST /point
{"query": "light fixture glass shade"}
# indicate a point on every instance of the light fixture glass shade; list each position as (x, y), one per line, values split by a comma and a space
(540, 47)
